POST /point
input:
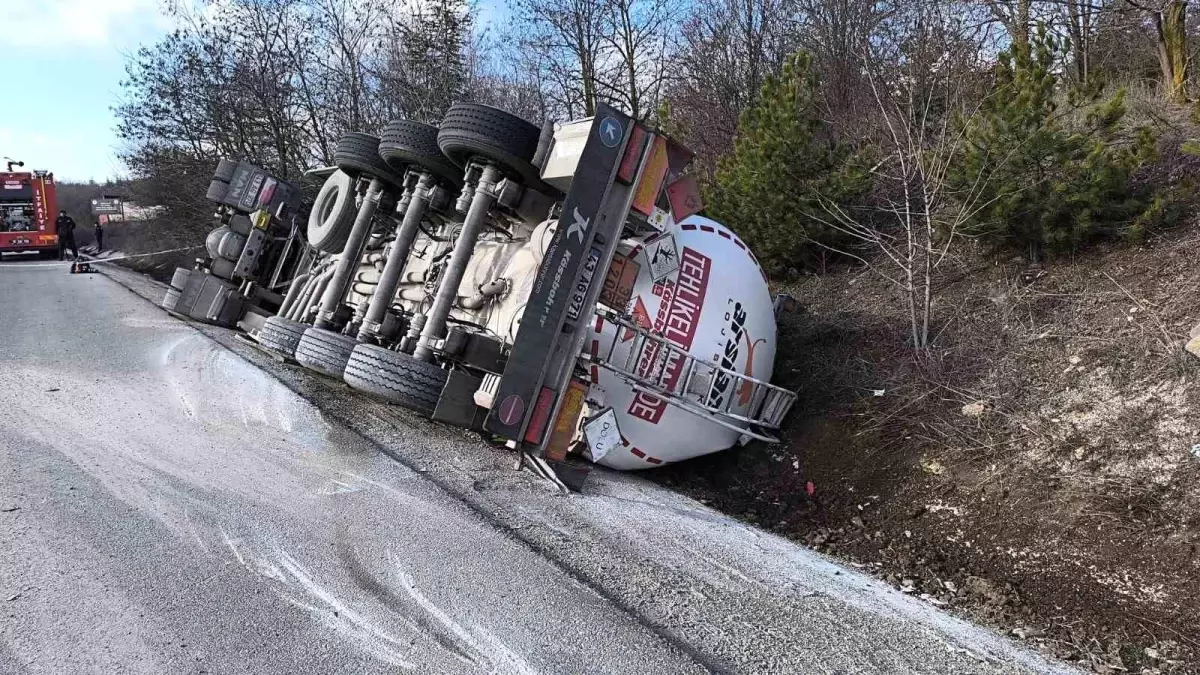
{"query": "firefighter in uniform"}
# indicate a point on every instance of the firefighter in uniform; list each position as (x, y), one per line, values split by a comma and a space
(66, 235)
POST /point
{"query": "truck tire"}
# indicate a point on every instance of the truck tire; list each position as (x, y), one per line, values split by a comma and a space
(395, 377)
(332, 215)
(412, 143)
(171, 299)
(281, 335)
(472, 130)
(325, 351)
(225, 169)
(358, 154)
(216, 191)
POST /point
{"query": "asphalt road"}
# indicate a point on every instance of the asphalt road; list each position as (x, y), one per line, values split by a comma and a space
(173, 502)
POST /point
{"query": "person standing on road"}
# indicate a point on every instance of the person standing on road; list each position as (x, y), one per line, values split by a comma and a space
(98, 230)
(66, 235)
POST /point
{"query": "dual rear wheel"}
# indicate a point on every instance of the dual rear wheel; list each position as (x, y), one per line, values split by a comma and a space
(469, 132)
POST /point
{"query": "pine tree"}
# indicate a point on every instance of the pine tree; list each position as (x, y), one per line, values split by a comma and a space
(772, 187)
(1049, 177)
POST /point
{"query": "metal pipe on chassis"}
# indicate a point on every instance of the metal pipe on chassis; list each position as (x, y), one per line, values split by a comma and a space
(294, 289)
(447, 293)
(406, 233)
(348, 262)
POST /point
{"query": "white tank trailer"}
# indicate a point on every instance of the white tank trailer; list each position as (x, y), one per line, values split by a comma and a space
(595, 312)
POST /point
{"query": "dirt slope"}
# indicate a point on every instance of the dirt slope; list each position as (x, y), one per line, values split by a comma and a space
(1036, 470)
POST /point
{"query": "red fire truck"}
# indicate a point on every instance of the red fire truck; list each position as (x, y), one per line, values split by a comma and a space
(28, 208)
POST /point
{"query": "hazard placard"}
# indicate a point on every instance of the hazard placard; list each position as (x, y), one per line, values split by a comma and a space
(602, 434)
(663, 257)
(618, 283)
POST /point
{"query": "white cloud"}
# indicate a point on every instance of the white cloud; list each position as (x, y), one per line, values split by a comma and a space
(78, 23)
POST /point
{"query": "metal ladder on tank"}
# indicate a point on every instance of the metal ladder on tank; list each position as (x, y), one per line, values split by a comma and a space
(651, 361)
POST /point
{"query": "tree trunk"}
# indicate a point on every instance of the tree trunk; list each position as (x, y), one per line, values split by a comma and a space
(1079, 27)
(1014, 16)
(1171, 28)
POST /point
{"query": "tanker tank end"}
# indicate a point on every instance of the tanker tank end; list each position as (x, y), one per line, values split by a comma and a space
(1192, 346)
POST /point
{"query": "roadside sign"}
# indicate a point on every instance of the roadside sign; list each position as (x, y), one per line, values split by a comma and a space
(108, 206)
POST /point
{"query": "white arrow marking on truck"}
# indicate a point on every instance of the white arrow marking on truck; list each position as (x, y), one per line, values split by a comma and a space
(610, 130)
(578, 226)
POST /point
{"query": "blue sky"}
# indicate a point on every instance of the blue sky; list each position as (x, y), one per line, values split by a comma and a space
(63, 64)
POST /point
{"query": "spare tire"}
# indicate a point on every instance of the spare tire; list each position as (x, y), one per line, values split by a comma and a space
(281, 335)
(358, 154)
(325, 351)
(395, 377)
(332, 215)
(412, 143)
(472, 130)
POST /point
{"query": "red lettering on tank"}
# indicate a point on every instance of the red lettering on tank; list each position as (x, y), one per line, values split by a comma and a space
(677, 320)
(645, 406)
(641, 317)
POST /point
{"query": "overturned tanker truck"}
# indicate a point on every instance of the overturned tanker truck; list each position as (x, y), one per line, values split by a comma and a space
(553, 287)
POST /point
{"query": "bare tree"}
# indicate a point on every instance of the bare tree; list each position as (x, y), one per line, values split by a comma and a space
(567, 39)
(640, 37)
(425, 66)
(731, 47)
(1016, 16)
(507, 78)
(922, 92)
(836, 33)
(1081, 20)
(1169, 18)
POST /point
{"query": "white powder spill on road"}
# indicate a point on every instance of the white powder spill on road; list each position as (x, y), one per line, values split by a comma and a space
(502, 659)
(741, 563)
(339, 617)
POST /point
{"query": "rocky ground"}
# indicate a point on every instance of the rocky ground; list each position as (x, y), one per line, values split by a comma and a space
(1035, 470)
